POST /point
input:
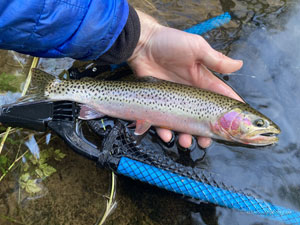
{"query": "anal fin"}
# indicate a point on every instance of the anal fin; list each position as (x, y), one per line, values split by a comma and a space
(141, 127)
(89, 113)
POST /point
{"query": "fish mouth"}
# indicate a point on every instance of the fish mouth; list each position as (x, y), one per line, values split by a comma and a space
(262, 137)
(268, 134)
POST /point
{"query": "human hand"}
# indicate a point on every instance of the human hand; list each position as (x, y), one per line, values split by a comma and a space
(177, 56)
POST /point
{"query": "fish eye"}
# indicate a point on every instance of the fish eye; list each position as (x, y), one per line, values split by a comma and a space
(259, 123)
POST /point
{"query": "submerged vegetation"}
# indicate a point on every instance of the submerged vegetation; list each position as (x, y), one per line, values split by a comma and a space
(35, 169)
(10, 82)
(33, 164)
(26, 162)
(4, 163)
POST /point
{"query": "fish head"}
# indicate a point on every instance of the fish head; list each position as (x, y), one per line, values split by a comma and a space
(245, 125)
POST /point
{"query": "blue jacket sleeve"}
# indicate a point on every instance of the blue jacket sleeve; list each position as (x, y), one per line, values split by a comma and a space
(80, 29)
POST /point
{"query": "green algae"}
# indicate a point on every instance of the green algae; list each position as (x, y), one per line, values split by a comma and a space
(10, 82)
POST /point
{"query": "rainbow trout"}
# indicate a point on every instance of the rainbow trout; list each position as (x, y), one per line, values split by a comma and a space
(161, 103)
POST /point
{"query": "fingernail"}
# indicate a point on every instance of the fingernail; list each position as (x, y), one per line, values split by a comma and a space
(170, 143)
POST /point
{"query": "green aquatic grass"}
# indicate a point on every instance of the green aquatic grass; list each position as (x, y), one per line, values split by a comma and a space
(111, 204)
(12, 220)
(12, 165)
(33, 168)
(4, 163)
(25, 88)
(10, 82)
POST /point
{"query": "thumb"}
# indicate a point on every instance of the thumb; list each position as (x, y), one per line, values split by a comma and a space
(215, 60)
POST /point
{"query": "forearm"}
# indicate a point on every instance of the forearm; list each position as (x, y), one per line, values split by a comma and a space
(110, 32)
(78, 29)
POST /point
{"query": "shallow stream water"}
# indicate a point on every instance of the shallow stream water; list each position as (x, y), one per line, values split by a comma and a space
(263, 33)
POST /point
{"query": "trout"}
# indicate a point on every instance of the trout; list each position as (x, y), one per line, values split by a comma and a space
(153, 102)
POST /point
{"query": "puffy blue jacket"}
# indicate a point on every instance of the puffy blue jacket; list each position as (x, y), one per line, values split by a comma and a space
(81, 29)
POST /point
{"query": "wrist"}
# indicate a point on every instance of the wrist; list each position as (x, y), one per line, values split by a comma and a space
(148, 27)
(126, 42)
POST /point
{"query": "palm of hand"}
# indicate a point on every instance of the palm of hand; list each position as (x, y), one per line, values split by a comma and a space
(184, 58)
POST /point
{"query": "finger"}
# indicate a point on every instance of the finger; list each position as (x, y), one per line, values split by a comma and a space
(208, 81)
(185, 140)
(164, 134)
(215, 60)
(204, 142)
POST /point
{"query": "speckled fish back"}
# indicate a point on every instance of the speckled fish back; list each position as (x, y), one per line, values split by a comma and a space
(159, 96)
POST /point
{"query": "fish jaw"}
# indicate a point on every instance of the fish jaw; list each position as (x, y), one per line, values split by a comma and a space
(261, 137)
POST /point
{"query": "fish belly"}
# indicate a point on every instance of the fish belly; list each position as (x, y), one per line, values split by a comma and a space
(160, 118)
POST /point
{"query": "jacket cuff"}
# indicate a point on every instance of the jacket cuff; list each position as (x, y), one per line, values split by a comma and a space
(125, 44)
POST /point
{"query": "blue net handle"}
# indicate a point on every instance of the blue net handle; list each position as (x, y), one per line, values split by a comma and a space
(209, 24)
(205, 192)
(196, 29)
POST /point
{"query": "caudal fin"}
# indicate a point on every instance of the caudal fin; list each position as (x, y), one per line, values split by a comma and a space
(39, 82)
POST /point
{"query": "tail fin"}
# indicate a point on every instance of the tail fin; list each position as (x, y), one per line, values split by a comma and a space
(39, 82)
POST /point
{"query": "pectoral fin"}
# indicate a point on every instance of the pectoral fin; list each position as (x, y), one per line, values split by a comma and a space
(89, 113)
(141, 127)
(133, 124)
